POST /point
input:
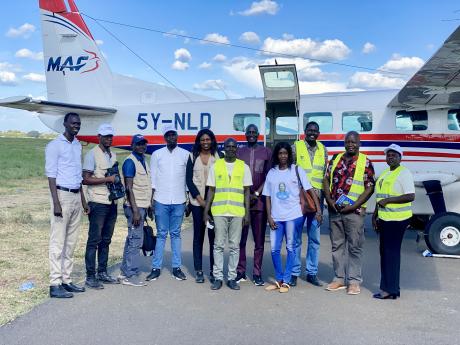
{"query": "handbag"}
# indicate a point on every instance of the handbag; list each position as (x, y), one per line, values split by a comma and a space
(307, 204)
(150, 240)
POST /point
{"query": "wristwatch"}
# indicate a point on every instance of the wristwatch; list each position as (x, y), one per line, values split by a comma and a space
(256, 193)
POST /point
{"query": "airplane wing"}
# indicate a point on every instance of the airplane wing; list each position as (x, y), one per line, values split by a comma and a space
(437, 83)
(54, 108)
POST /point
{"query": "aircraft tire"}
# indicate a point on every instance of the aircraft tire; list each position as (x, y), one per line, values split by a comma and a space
(442, 233)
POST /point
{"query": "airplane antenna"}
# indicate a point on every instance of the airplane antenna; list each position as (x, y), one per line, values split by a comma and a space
(141, 58)
(221, 89)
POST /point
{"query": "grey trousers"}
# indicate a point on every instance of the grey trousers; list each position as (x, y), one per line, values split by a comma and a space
(347, 239)
(226, 227)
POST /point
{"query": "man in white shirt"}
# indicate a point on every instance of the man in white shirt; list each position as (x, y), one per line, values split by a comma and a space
(64, 172)
(168, 166)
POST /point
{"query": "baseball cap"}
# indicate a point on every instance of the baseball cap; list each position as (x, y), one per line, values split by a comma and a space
(168, 128)
(394, 147)
(137, 138)
(105, 129)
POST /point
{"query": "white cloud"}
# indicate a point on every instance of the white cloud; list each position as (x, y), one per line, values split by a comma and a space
(182, 55)
(377, 80)
(24, 31)
(179, 65)
(326, 50)
(219, 58)
(249, 37)
(261, 7)
(368, 48)
(205, 65)
(210, 85)
(99, 42)
(177, 33)
(28, 54)
(7, 78)
(216, 38)
(403, 64)
(35, 77)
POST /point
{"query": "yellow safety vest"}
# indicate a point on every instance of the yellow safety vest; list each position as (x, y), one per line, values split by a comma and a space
(229, 195)
(315, 173)
(357, 186)
(385, 189)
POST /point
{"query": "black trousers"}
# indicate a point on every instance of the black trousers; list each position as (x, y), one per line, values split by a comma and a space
(199, 229)
(102, 220)
(391, 236)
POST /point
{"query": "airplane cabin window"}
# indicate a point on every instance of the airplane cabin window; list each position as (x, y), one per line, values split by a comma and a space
(359, 121)
(453, 120)
(241, 121)
(323, 119)
(411, 120)
(287, 125)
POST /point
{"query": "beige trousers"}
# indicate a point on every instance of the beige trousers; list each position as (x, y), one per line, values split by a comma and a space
(63, 237)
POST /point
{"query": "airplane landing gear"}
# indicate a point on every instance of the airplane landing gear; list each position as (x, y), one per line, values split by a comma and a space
(442, 233)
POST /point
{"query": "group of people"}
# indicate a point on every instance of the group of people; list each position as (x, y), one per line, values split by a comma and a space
(227, 193)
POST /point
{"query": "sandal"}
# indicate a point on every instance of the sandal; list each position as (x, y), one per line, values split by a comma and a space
(284, 288)
(273, 287)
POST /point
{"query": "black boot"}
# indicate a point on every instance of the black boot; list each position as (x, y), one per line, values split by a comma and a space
(93, 283)
(71, 287)
(57, 291)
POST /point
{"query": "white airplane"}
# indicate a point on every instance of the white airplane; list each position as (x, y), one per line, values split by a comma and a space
(423, 117)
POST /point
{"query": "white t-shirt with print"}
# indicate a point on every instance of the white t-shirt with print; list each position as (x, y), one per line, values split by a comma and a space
(283, 189)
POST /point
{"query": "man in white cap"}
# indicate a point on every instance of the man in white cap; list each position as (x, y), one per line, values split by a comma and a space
(168, 166)
(103, 213)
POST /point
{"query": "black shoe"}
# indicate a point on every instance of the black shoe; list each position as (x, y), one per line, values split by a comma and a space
(199, 277)
(211, 277)
(93, 283)
(216, 284)
(258, 281)
(293, 281)
(389, 296)
(153, 275)
(178, 274)
(106, 279)
(313, 279)
(232, 284)
(59, 292)
(241, 277)
(71, 287)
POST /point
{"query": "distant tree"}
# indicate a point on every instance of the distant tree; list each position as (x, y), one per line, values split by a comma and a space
(33, 134)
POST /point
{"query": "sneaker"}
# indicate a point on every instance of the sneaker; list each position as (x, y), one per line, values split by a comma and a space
(199, 277)
(335, 286)
(232, 284)
(273, 287)
(241, 277)
(293, 281)
(93, 283)
(216, 284)
(258, 281)
(284, 288)
(120, 277)
(153, 275)
(313, 279)
(133, 281)
(178, 274)
(354, 289)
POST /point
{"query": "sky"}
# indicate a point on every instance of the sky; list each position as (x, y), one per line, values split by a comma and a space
(394, 36)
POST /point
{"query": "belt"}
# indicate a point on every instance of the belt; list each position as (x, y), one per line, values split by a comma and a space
(68, 189)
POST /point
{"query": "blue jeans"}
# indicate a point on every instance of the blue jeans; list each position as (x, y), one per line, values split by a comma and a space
(288, 230)
(312, 256)
(133, 243)
(168, 218)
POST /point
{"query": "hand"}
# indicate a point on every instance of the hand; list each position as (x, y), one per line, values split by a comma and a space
(253, 198)
(201, 201)
(347, 209)
(246, 219)
(272, 223)
(375, 223)
(57, 210)
(110, 179)
(319, 217)
(86, 209)
(382, 203)
(136, 217)
(332, 205)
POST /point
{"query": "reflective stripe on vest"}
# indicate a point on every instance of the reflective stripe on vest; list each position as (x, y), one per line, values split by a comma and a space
(357, 186)
(315, 173)
(385, 189)
(229, 195)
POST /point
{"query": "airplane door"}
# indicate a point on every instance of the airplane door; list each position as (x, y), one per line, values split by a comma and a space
(281, 94)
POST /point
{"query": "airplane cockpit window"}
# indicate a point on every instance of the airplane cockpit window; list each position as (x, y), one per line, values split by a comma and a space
(279, 79)
(360, 121)
(287, 125)
(241, 121)
(453, 120)
(323, 119)
(411, 120)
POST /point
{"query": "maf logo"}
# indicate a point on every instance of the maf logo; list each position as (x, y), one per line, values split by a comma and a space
(89, 63)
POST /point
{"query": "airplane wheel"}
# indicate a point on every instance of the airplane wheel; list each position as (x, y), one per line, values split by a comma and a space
(442, 233)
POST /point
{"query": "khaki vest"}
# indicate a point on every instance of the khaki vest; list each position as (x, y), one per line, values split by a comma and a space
(142, 184)
(99, 192)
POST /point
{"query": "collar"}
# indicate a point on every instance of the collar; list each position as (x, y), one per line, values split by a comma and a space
(140, 157)
(61, 137)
